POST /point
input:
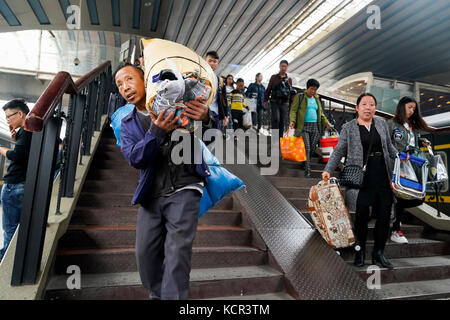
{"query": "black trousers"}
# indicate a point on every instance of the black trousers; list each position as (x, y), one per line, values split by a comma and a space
(280, 116)
(382, 199)
(238, 119)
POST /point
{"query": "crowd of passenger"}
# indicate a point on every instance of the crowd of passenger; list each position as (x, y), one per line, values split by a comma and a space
(365, 140)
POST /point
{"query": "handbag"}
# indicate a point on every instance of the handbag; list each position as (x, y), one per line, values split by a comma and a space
(292, 148)
(247, 119)
(353, 175)
(438, 171)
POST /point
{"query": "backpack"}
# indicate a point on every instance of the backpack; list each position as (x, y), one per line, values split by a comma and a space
(282, 90)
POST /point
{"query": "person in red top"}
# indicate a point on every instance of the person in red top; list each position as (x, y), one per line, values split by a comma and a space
(279, 93)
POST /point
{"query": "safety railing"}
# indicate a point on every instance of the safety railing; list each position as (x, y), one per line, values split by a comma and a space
(351, 106)
(88, 102)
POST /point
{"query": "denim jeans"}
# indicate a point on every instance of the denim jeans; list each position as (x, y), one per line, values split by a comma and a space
(12, 198)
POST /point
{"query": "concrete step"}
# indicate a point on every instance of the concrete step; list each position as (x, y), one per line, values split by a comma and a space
(117, 164)
(125, 236)
(417, 247)
(204, 284)
(292, 181)
(221, 217)
(294, 192)
(104, 200)
(110, 186)
(412, 269)
(410, 231)
(416, 290)
(297, 165)
(108, 200)
(124, 259)
(114, 155)
(128, 215)
(128, 173)
(298, 173)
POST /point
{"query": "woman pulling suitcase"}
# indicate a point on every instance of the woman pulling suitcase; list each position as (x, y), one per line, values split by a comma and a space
(365, 142)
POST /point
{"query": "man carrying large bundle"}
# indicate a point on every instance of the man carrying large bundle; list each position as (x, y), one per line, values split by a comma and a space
(169, 193)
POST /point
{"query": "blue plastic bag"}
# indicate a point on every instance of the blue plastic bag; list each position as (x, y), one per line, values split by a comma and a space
(220, 184)
(116, 119)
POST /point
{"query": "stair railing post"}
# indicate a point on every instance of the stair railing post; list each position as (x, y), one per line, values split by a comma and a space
(36, 203)
(73, 137)
(90, 124)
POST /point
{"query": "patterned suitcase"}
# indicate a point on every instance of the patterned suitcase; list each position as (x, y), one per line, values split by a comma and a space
(330, 215)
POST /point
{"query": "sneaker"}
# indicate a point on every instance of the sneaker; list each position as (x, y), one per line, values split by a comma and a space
(398, 237)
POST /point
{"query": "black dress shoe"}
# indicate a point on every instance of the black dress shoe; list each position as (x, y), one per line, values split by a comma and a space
(359, 258)
(379, 259)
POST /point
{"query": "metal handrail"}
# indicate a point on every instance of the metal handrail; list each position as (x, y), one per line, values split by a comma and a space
(62, 84)
(88, 103)
(382, 114)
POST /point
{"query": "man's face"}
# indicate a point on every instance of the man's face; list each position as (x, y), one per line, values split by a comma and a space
(14, 117)
(283, 68)
(240, 85)
(311, 91)
(130, 83)
(213, 63)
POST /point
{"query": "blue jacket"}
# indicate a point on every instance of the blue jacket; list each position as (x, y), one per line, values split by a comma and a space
(140, 149)
(253, 88)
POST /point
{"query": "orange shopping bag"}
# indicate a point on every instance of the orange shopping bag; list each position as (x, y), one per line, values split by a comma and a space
(292, 148)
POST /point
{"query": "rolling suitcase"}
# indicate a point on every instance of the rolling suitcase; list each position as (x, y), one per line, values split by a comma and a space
(330, 215)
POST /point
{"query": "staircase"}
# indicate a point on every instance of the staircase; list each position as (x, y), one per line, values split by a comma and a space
(227, 262)
(422, 267)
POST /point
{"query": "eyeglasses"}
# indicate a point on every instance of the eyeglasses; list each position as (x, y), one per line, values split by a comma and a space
(7, 117)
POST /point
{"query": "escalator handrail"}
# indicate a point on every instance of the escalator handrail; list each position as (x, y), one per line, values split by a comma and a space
(382, 114)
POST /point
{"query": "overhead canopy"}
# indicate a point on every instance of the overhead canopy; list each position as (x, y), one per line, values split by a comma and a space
(412, 43)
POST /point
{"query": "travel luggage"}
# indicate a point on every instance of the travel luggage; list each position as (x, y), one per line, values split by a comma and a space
(330, 215)
(405, 182)
(328, 142)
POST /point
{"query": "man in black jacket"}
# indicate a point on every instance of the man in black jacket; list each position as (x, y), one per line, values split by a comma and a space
(279, 92)
(14, 180)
